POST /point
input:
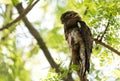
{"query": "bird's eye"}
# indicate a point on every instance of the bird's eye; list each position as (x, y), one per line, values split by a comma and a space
(69, 15)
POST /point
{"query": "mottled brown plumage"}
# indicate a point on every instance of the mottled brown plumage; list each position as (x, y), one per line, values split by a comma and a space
(79, 39)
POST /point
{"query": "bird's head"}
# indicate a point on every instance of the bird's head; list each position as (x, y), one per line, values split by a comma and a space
(70, 17)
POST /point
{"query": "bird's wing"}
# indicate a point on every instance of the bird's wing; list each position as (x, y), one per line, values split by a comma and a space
(88, 42)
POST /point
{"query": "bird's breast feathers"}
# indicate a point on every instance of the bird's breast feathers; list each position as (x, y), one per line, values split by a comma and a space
(74, 37)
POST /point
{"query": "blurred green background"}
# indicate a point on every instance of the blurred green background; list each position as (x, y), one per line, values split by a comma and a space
(21, 58)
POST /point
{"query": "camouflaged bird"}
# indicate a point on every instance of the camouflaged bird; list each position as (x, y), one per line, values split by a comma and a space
(80, 41)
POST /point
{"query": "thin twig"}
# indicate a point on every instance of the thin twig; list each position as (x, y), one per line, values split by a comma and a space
(20, 16)
(105, 30)
(101, 37)
(86, 10)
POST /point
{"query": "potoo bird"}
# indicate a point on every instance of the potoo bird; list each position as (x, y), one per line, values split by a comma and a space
(79, 39)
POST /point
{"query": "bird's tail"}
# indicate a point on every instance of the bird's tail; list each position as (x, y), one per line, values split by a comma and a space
(81, 70)
(79, 60)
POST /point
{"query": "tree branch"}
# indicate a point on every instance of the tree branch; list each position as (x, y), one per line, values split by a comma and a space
(41, 44)
(30, 6)
(107, 46)
(37, 37)
(99, 41)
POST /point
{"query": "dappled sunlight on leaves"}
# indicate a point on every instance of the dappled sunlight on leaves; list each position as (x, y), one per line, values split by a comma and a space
(22, 59)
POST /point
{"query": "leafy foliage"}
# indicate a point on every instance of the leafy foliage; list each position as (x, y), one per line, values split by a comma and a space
(96, 13)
